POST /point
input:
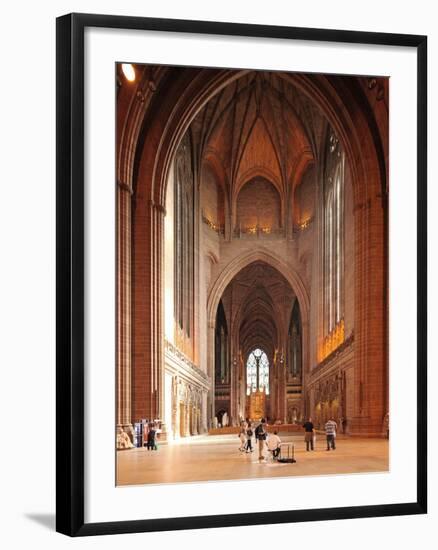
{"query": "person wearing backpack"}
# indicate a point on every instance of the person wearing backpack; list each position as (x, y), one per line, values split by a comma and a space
(261, 434)
(248, 447)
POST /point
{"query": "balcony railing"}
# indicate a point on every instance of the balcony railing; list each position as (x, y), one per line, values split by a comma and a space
(302, 226)
(258, 232)
(219, 229)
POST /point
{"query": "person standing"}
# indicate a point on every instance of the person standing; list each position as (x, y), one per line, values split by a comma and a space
(308, 434)
(152, 443)
(145, 433)
(242, 436)
(260, 434)
(248, 447)
(330, 432)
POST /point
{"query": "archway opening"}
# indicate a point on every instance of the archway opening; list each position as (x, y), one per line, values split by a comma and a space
(251, 345)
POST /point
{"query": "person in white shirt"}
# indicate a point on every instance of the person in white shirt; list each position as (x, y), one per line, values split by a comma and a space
(242, 436)
(330, 432)
(274, 444)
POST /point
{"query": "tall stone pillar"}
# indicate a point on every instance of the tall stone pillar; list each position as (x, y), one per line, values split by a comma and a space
(370, 374)
(284, 390)
(210, 370)
(157, 324)
(187, 425)
(204, 420)
(147, 314)
(305, 366)
(194, 420)
(124, 419)
(143, 392)
(182, 419)
(282, 365)
(234, 379)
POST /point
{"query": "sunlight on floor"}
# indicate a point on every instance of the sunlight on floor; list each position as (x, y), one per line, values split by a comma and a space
(207, 458)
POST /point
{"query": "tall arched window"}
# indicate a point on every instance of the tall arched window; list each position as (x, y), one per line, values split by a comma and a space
(184, 238)
(257, 372)
(333, 218)
(334, 237)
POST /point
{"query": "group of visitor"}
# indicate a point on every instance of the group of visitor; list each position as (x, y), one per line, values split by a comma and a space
(330, 429)
(272, 442)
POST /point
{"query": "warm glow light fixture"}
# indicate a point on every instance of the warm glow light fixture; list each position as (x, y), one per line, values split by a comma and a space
(128, 71)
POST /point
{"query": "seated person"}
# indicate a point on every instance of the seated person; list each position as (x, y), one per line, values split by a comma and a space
(274, 443)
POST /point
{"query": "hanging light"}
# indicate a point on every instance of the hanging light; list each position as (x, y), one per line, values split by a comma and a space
(128, 71)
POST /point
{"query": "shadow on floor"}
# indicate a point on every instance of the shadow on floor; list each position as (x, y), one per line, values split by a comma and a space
(46, 520)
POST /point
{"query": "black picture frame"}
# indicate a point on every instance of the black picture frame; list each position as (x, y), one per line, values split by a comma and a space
(70, 273)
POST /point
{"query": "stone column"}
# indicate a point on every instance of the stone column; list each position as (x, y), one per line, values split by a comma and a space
(198, 420)
(284, 389)
(305, 366)
(204, 420)
(236, 378)
(182, 419)
(210, 372)
(157, 324)
(194, 420)
(242, 377)
(174, 427)
(370, 375)
(143, 392)
(233, 381)
(124, 419)
(187, 419)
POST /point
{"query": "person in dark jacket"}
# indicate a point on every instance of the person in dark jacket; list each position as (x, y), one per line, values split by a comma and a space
(261, 435)
(308, 434)
(152, 442)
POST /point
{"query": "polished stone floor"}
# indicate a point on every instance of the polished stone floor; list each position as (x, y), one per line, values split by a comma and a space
(216, 457)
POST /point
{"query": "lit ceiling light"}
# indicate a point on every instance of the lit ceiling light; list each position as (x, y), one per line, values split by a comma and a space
(128, 71)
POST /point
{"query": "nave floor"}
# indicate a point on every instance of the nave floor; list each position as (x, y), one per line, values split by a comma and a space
(213, 457)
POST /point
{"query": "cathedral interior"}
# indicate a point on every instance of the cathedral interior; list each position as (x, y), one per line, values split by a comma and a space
(252, 256)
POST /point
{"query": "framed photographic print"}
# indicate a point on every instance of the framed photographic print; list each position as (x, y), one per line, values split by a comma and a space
(241, 274)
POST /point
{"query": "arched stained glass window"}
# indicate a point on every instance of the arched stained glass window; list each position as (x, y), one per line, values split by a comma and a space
(257, 372)
(333, 235)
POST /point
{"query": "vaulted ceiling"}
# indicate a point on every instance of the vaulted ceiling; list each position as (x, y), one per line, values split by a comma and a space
(262, 302)
(259, 125)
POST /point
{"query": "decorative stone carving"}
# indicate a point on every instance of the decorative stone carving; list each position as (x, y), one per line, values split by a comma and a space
(334, 142)
(123, 440)
(373, 83)
(169, 347)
